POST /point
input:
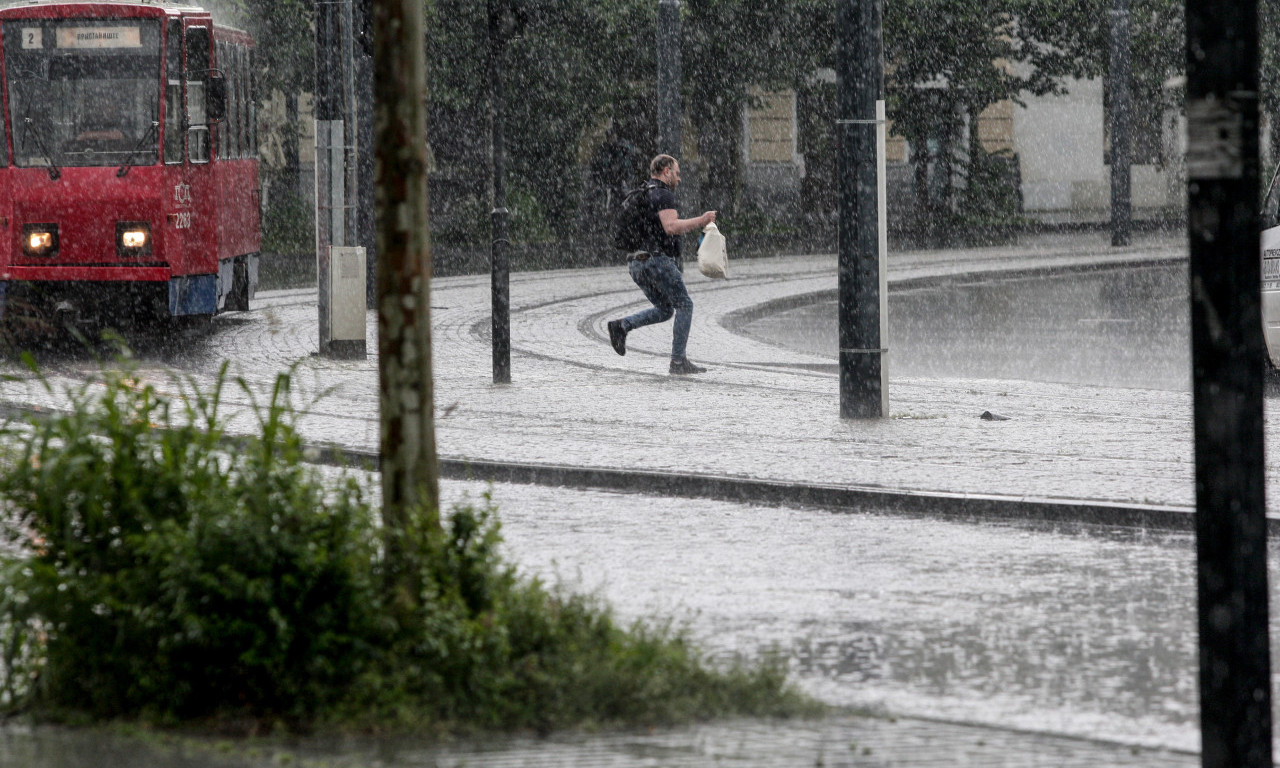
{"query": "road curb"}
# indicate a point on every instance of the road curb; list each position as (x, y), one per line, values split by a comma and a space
(852, 499)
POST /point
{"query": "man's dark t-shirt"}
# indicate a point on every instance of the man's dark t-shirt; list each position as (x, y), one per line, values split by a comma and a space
(661, 198)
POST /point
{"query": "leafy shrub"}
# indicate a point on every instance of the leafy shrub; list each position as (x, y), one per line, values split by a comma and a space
(173, 577)
(288, 223)
(166, 574)
(990, 207)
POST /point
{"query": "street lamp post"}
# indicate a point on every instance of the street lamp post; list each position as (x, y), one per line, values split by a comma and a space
(500, 23)
(365, 222)
(859, 94)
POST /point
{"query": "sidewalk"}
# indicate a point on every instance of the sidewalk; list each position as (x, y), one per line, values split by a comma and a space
(764, 422)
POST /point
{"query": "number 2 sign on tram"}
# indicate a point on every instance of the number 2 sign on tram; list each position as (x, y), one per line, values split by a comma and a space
(129, 172)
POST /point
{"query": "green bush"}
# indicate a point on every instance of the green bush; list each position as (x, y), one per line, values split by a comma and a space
(990, 208)
(288, 223)
(171, 577)
(165, 574)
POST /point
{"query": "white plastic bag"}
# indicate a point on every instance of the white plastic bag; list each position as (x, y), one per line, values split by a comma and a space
(713, 258)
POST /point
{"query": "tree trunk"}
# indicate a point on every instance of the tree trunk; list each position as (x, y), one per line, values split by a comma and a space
(292, 160)
(408, 445)
(923, 228)
(719, 146)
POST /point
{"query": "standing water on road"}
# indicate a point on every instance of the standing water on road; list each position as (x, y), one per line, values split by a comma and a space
(1077, 632)
(1121, 327)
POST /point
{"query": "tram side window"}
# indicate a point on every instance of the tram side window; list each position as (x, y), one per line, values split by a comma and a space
(238, 85)
(224, 148)
(237, 106)
(197, 76)
(253, 107)
(246, 104)
(231, 68)
(173, 125)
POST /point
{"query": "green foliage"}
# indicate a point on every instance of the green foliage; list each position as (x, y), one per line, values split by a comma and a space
(990, 207)
(951, 59)
(568, 67)
(171, 577)
(160, 572)
(575, 65)
(731, 47)
(288, 223)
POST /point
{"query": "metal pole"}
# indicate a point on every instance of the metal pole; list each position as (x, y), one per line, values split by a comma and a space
(350, 157)
(859, 86)
(364, 148)
(1227, 362)
(329, 169)
(1121, 122)
(500, 261)
(670, 109)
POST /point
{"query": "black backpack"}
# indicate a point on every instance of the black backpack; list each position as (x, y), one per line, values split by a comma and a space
(633, 230)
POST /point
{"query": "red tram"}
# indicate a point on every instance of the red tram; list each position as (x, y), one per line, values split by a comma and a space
(128, 171)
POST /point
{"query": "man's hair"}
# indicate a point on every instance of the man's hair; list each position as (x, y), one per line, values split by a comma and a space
(660, 163)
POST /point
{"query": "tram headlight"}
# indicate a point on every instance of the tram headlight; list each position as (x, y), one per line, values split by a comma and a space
(133, 238)
(40, 239)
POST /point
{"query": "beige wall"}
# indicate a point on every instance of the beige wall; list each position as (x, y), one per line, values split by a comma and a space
(772, 129)
(995, 127)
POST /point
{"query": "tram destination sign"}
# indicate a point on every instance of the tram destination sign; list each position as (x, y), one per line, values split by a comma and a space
(99, 37)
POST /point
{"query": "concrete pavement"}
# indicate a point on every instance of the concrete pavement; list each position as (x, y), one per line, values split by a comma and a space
(762, 424)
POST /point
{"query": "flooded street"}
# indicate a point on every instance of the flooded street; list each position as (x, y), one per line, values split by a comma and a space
(1084, 632)
(1113, 327)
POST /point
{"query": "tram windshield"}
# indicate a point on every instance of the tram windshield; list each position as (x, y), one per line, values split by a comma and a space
(83, 92)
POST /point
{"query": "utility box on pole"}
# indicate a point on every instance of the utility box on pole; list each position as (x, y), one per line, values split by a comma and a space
(345, 334)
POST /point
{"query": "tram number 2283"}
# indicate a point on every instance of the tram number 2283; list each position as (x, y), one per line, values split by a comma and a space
(181, 219)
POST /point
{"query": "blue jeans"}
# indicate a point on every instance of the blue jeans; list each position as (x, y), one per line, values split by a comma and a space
(663, 285)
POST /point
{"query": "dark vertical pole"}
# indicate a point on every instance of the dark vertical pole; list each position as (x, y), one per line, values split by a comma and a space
(365, 232)
(328, 114)
(670, 111)
(859, 85)
(328, 40)
(1227, 363)
(1121, 125)
(500, 247)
